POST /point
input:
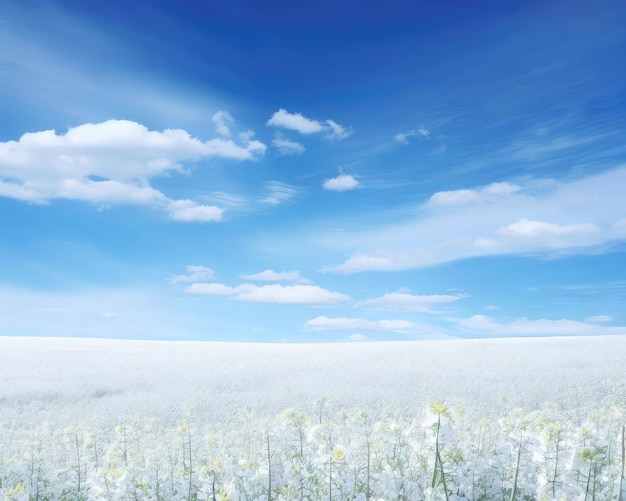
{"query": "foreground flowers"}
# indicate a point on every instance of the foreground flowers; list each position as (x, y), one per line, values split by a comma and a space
(447, 452)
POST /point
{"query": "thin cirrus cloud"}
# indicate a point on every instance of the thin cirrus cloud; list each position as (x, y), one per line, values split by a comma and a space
(273, 276)
(323, 323)
(306, 295)
(501, 218)
(528, 228)
(482, 326)
(223, 122)
(460, 197)
(287, 147)
(400, 301)
(343, 182)
(598, 319)
(299, 123)
(194, 273)
(403, 137)
(111, 163)
(277, 193)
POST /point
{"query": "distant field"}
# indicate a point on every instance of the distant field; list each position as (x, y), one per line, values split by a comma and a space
(53, 378)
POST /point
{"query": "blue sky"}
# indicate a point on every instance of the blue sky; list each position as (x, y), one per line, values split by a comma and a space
(327, 171)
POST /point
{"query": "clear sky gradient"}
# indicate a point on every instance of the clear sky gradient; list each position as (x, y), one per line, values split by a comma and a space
(312, 171)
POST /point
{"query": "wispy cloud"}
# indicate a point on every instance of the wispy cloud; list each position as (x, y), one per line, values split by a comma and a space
(336, 131)
(502, 218)
(307, 295)
(598, 319)
(398, 326)
(223, 121)
(277, 193)
(482, 325)
(286, 146)
(403, 137)
(401, 301)
(486, 194)
(194, 273)
(273, 276)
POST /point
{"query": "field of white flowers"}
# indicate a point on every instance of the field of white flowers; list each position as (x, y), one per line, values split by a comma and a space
(84, 420)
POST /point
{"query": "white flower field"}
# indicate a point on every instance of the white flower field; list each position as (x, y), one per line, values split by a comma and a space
(515, 419)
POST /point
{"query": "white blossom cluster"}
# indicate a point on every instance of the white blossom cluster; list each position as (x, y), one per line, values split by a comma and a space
(444, 453)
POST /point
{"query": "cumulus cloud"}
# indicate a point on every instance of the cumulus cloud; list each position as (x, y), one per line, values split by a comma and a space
(308, 295)
(273, 276)
(287, 147)
(400, 301)
(111, 163)
(323, 323)
(194, 273)
(295, 121)
(542, 217)
(298, 122)
(403, 137)
(486, 326)
(223, 121)
(343, 182)
(190, 211)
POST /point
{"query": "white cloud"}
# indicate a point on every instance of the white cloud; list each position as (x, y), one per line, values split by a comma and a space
(278, 193)
(483, 325)
(400, 301)
(194, 274)
(111, 163)
(190, 211)
(110, 191)
(598, 319)
(273, 276)
(538, 217)
(356, 337)
(298, 122)
(287, 147)
(403, 137)
(365, 261)
(343, 182)
(336, 131)
(309, 295)
(528, 228)
(295, 121)
(323, 323)
(215, 289)
(486, 194)
(223, 120)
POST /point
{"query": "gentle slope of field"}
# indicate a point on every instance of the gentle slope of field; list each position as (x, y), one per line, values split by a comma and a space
(52, 378)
